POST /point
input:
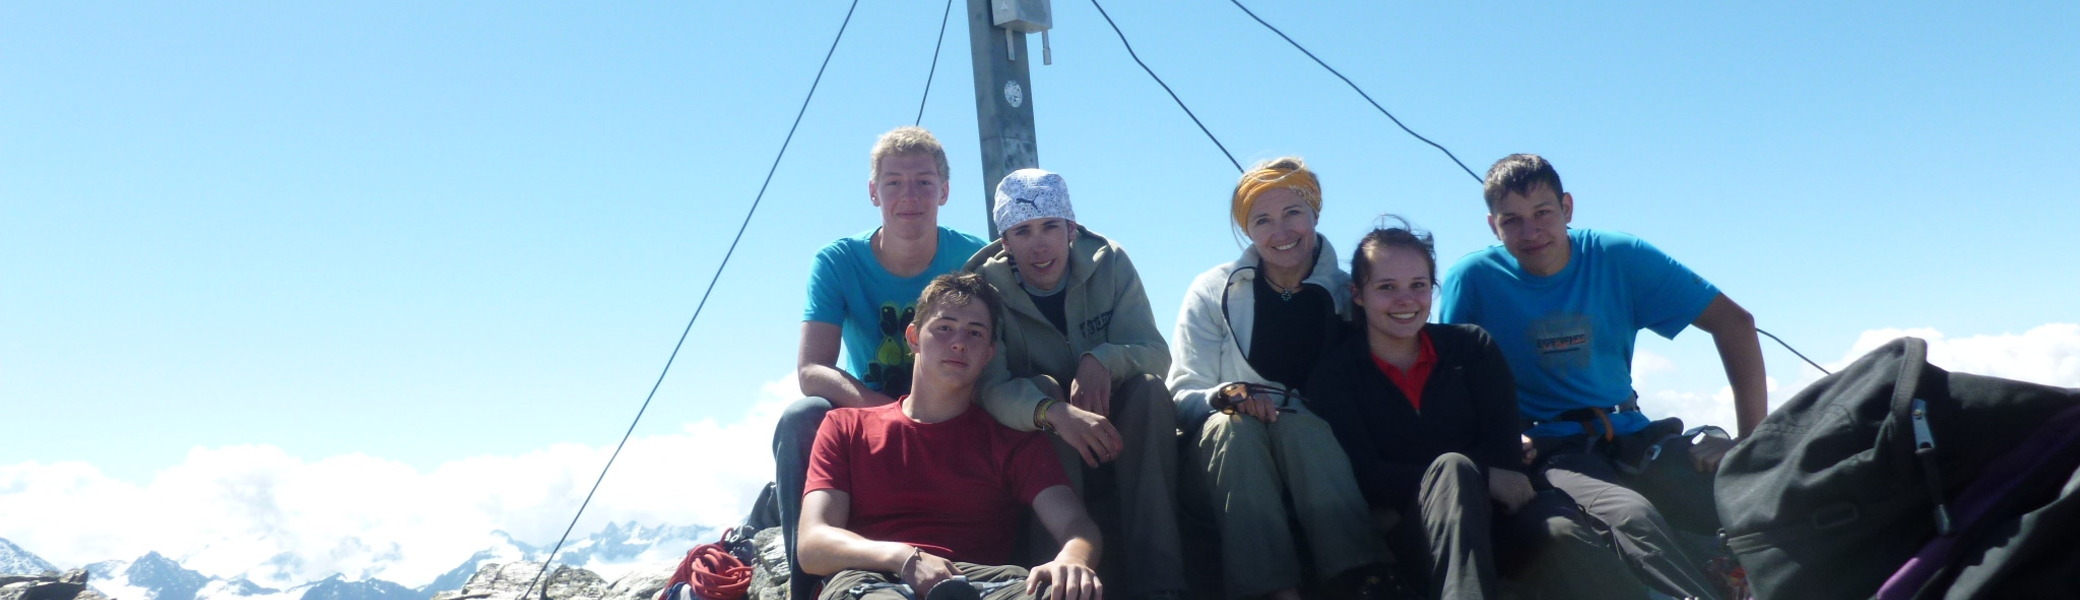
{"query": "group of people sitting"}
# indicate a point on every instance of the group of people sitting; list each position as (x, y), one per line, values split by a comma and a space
(1308, 415)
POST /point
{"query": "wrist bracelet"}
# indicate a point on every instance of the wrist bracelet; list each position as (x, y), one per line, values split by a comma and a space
(1040, 416)
(915, 552)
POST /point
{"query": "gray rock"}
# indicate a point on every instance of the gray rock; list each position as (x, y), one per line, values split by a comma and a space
(639, 586)
(41, 590)
(50, 585)
(769, 574)
(511, 580)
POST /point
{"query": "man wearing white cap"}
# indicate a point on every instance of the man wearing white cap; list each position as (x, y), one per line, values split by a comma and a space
(1082, 357)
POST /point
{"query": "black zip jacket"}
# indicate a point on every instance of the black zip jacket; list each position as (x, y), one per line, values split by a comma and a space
(1469, 407)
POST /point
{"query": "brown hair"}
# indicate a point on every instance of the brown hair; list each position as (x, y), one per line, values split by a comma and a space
(1519, 174)
(958, 289)
(1404, 236)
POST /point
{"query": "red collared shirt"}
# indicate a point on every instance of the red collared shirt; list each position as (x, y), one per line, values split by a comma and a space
(1411, 381)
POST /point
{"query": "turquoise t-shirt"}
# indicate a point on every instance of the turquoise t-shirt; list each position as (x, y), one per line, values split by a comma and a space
(1569, 337)
(848, 287)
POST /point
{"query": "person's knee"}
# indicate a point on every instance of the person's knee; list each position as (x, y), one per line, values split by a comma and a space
(798, 424)
(806, 413)
(1234, 448)
(1305, 427)
(1569, 528)
(1226, 431)
(1630, 513)
(1452, 479)
(1148, 402)
(810, 409)
(1454, 465)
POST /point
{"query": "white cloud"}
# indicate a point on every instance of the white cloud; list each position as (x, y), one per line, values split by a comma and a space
(1646, 364)
(2048, 354)
(230, 510)
(1697, 408)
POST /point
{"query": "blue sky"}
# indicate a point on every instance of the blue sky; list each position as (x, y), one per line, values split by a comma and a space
(425, 234)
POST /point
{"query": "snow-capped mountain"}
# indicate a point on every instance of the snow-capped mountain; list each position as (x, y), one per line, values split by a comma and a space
(612, 553)
(621, 549)
(241, 588)
(338, 588)
(16, 561)
(150, 577)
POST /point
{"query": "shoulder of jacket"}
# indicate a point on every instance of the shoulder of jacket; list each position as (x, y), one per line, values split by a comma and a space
(991, 256)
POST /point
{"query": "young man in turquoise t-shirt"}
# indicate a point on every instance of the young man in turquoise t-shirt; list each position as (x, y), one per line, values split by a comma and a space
(863, 292)
(1565, 306)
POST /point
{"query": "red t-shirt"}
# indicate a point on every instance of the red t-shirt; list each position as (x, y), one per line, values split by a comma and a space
(1411, 381)
(955, 488)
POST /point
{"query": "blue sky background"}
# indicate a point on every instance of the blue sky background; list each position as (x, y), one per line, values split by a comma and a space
(428, 233)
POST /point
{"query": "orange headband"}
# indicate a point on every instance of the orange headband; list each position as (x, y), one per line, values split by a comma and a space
(1255, 183)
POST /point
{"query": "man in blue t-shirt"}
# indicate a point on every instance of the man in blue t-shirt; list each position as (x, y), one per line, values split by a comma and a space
(1566, 305)
(863, 292)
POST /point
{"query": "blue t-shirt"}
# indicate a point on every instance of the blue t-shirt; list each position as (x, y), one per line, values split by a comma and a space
(1569, 337)
(849, 288)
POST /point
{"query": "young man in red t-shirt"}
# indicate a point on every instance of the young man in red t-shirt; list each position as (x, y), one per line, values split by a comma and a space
(906, 496)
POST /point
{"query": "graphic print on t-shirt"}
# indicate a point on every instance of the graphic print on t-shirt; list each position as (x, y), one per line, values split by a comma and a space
(1562, 340)
(889, 370)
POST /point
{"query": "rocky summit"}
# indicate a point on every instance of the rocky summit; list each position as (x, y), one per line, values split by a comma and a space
(516, 580)
(49, 585)
(639, 560)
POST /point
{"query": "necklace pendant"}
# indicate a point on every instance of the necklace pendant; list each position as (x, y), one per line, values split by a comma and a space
(1285, 295)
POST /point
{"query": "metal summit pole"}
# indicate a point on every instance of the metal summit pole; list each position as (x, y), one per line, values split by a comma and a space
(1003, 93)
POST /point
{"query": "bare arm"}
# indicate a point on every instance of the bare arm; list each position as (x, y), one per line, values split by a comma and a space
(817, 372)
(1072, 575)
(827, 547)
(1733, 330)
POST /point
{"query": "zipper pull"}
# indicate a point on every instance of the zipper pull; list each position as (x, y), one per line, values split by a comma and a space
(1925, 451)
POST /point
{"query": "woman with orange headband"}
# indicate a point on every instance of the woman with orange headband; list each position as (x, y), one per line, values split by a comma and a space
(1247, 337)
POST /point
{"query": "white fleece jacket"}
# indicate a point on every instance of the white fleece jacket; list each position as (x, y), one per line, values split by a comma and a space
(1207, 350)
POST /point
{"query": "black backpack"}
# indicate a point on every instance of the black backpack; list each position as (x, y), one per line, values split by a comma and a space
(1838, 488)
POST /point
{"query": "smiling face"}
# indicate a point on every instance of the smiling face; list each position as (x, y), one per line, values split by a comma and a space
(909, 189)
(953, 342)
(1041, 249)
(1396, 294)
(1533, 227)
(1281, 226)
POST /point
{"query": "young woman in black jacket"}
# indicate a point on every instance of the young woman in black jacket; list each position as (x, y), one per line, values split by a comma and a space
(1428, 415)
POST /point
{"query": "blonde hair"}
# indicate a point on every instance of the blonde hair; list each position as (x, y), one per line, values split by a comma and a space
(1287, 172)
(906, 140)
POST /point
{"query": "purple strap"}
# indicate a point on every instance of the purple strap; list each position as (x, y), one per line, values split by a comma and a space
(2049, 450)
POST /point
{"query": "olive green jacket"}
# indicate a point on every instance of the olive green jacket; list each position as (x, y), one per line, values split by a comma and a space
(1108, 318)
